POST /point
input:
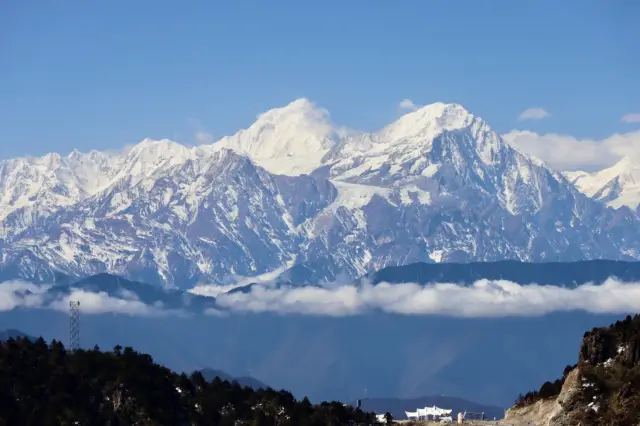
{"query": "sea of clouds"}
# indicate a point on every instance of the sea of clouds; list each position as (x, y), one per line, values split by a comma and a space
(482, 299)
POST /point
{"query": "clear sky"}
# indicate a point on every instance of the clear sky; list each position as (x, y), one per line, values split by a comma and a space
(104, 74)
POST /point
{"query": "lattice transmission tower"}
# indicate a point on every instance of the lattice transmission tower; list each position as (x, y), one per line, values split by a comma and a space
(74, 325)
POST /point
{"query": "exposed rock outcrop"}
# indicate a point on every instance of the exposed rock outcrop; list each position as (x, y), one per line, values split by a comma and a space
(603, 389)
(548, 412)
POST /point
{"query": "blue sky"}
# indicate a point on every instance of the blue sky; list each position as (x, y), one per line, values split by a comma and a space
(84, 74)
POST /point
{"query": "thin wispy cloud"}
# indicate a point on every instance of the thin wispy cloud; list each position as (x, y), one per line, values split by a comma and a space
(482, 299)
(204, 138)
(631, 118)
(216, 312)
(201, 136)
(408, 105)
(533, 114)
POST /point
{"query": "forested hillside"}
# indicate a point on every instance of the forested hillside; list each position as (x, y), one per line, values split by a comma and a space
(44, 384)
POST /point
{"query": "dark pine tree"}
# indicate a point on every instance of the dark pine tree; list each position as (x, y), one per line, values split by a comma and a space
(43, 384)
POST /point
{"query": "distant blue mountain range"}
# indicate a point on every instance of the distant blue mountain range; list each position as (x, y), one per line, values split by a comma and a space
(209, 374)
(13, 334)
(149, 294)
(568, 274)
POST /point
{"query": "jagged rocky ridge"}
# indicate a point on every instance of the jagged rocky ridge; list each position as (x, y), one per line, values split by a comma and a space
(602, 389)
(437, 185)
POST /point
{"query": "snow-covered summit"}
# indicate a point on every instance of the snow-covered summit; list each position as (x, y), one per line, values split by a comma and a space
(149, 156)
(618, 185)
(428, 122)
(300, 137)
(421, 145)
(290, 140)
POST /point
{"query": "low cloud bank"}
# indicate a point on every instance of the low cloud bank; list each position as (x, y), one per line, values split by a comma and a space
(482, 299)
(232, 282)
(20, 294)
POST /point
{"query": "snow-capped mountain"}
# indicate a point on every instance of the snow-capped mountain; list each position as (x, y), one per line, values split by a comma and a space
(617, 186)
(436, 185)
(31, 188)
(289, 141)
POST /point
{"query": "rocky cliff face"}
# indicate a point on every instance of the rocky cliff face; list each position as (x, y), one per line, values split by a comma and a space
(604, 388)
(548, 412)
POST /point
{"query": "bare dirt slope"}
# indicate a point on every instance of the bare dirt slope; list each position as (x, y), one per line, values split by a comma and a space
(548, 412)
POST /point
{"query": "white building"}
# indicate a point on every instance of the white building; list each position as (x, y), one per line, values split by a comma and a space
(429, 413)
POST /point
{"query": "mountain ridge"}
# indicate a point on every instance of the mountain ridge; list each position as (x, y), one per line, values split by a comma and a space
(437, 184)
(617, 186)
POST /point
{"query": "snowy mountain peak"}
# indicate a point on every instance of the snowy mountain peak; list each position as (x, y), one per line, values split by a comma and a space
(447, 115)
(150, 156)
(288, 140)
(628, 163)
(429, 121)
(300, 137)
(74, 155)
(297, 108)
(618, 185)
(157, 147)
(301, 114)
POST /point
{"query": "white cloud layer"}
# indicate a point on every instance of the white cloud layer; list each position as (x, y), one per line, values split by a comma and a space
(533, 114)
(631, 118)
(568, 153)
(14, 294)
(102, 303)
(482, 299)
(20, 294)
